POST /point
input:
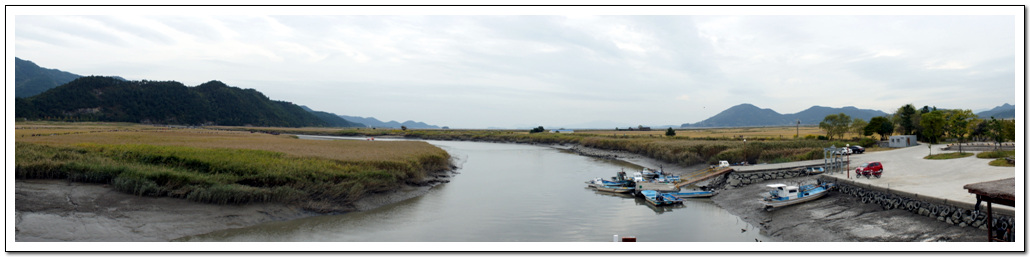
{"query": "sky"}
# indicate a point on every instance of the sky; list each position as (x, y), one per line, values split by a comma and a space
(559, 67)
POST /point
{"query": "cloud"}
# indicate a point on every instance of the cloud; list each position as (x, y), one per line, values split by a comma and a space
(593, 67)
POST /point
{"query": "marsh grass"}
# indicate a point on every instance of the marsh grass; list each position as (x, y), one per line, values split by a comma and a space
(229, 167)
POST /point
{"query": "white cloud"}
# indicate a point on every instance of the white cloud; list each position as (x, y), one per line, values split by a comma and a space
(445, 69)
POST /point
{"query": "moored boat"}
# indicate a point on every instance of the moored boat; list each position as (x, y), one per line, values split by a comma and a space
(614, 189)
(694, 194)
(784, 195)
(599, 182)
(656, 198)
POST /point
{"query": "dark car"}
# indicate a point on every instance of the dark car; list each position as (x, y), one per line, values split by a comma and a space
(869, 169)
(857, 149)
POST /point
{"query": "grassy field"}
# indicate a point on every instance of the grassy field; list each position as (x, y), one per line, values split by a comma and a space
(945, 156)
(999, 157)
(744, 133)
(764, 145)
(224, 167)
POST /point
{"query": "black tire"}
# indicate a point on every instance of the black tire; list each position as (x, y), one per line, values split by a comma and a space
(877, 176)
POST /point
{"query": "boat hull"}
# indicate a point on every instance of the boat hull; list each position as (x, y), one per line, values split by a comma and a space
(699, 194)
(614, 189)
(771, 203)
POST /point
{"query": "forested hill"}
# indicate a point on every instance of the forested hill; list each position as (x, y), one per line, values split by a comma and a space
(97, 98)
(30, 79)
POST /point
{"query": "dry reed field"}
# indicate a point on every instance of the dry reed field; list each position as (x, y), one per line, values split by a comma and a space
(223, 167)
(760, 132)
(345, 150)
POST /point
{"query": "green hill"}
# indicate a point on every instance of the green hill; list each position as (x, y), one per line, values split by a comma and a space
(97, 98)
(30, 79)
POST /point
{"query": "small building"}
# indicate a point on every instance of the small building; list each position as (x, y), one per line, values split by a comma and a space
(566, 131)
(902, 141)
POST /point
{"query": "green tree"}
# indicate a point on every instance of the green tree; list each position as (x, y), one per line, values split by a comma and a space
(670, 132)
(958, 124)
(933, 124)
(1001, 130)
(537, 130)
(835, 125)
(906, 116)
(858, 127)
(880, 125)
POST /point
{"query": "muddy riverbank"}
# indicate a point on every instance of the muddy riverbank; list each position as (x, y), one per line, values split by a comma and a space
(59, 210)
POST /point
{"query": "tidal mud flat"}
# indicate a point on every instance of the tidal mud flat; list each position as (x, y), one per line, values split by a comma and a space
(59, 210)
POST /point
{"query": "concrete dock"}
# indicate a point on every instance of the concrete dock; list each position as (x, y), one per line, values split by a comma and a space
(905, 170)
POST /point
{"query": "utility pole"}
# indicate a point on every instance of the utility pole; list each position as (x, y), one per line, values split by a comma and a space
(797, 129)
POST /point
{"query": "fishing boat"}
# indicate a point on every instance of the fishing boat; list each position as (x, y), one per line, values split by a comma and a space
(784, 195)
(657, 199)
(694, 194)
(599, 182)
(614, 189)
(815, 170)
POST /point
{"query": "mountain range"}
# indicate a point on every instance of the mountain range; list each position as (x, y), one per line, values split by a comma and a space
(32, 80)
(1005, 111)
(96, 98)
(748, 115)
(375, 123)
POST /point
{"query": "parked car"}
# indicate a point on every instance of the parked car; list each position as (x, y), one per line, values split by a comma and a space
(857, 149)
(844, 151)
(869, 169)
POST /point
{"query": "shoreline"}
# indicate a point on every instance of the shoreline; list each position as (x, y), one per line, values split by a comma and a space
(58, 210)
(834, 218)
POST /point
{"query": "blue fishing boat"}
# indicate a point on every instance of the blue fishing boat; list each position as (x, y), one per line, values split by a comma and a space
(599, 182)
(815, 170)
(784, 195)
(694, 194)
(658, 199)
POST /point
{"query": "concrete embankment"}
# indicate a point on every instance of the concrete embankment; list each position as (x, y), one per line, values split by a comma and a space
(922, 188)
(956, 213)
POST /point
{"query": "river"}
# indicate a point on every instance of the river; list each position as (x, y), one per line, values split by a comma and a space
(513, 193)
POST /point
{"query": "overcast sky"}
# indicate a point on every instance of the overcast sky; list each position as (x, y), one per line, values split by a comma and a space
(472, 71)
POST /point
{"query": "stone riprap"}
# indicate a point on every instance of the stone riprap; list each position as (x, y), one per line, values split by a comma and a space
(954, 213)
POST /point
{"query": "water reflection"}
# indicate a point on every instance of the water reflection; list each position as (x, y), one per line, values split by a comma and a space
(512, 193)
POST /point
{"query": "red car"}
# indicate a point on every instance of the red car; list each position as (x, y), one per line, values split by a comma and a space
(869, 169)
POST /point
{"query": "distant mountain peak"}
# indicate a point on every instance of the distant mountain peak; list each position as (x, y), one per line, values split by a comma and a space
(749, 115)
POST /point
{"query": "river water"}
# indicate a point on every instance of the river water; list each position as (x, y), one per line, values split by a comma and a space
(513, 193)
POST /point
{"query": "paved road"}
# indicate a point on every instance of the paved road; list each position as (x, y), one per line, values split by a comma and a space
(906, 170)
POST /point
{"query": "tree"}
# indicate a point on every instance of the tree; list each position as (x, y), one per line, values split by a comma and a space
(835, 125)
(670, 132)
(1001, 130)
(906, 119)
(933, 124)
(858, 127)
(880, 125)
(405, 128)
(958, 124)
(537, 130)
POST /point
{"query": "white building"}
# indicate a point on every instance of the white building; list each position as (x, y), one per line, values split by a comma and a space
(903, 141)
